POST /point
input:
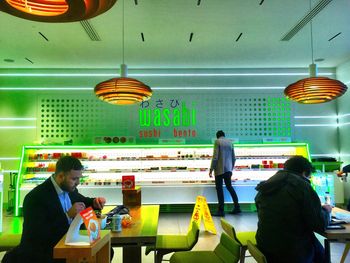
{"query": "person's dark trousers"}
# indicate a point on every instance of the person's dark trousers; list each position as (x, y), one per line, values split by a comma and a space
(317, 255)
(319, 252)
(220, 192)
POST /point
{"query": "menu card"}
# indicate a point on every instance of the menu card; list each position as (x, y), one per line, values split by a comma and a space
(91, 223)
(88, 217)
(128, 182)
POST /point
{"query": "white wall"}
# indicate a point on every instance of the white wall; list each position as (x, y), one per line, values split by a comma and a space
(226, 108)
(343, 74)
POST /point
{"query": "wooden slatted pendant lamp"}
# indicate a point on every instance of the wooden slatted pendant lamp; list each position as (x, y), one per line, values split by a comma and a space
(123, 90)
(56, 10)
(314, 89)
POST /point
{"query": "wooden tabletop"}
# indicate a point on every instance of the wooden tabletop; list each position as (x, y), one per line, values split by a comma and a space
(64, 251)
(341, 234)
(143, 230)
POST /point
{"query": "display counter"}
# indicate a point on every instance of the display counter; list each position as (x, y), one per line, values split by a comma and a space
(168, 174)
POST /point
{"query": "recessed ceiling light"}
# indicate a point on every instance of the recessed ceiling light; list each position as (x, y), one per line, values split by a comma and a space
(319, 59)
(10, 60)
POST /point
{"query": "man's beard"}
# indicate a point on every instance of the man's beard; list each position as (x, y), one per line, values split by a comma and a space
(65, 188)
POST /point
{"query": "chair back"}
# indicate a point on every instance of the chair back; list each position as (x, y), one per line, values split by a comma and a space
(229, 230)
(228, 250)
(256, 253)
(192, 235)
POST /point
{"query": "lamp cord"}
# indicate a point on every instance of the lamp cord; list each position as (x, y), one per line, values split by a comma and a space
(123, 32)
(312, 40)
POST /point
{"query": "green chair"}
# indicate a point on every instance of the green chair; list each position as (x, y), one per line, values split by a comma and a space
(227, 251)
(9, 241)
(240, 237)
(256, 253)
(171, 243)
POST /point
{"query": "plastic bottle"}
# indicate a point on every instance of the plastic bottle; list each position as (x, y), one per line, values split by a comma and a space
(117, 223)
(328, 201)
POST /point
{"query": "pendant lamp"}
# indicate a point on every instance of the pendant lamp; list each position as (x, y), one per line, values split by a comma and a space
(314, 89)
(56, 10)
(123, 90)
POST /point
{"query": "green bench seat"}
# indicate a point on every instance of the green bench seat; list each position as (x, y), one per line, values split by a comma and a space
(227, 251)
(9, 241)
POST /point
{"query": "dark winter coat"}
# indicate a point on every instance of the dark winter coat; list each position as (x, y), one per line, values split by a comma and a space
(289, 212)
(45, 223)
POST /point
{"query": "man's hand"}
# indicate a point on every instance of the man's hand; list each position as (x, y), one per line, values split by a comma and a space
(99, 203)
(340, 173)
(75, 209)
(210, 173)
(328, 208)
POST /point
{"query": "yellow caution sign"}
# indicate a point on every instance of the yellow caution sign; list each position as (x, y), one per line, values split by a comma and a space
(200, 210)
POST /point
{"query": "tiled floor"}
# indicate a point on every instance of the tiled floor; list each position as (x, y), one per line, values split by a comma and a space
(175, 223)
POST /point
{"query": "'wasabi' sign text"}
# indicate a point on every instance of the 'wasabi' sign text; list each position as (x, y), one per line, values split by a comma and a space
(176, 115)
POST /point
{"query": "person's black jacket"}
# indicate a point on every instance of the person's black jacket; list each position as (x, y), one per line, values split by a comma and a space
(346, 169)
(289, 212)
(44, 223)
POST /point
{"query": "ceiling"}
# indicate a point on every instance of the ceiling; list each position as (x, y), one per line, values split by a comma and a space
(225, 34)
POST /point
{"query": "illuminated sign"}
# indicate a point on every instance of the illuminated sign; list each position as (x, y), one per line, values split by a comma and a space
(182, 116)
(176, 115)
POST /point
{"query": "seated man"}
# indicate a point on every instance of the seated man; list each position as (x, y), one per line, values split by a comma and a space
(289, 212)
(48, 210)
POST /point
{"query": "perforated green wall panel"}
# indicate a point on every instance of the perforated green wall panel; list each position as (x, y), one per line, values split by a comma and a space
(250, 117)
(82, 119)
(247, 117)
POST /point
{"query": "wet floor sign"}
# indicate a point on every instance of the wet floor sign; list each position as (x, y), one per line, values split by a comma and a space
(200, 210)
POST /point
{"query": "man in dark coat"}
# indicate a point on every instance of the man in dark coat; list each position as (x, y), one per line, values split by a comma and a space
(48, 210)
(289, 212)
(344, 173)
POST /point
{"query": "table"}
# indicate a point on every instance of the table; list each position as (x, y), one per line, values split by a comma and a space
(143, 232)
(341, 236)
(98, 252)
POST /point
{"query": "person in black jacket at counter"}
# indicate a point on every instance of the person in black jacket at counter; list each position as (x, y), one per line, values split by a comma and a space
(289, 212)
(48, 210)
(344, 173)
(344, 170)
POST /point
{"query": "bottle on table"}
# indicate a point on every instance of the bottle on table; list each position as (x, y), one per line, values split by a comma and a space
(328, 201)
(117, 223)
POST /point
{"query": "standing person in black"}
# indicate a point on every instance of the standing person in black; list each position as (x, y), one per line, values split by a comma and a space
(289, 212)
(344, 172)
(48, 210)
(222, 164)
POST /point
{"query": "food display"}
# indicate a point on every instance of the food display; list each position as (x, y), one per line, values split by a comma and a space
(180, 172)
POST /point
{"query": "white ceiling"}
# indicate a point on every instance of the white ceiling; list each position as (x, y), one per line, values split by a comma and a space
(167, 25)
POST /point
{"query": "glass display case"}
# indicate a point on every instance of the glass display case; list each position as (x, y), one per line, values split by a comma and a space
(167, 174)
